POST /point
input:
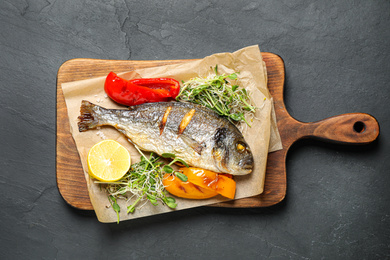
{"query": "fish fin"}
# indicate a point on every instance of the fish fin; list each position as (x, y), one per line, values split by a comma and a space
(198, 147)
(87, 118)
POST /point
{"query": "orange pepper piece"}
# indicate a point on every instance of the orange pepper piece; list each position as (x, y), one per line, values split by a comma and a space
(186, 189)
(211, 180)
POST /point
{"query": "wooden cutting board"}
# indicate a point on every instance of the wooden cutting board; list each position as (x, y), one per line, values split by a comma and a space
(354, 128)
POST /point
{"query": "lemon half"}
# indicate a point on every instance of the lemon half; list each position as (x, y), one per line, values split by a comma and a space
(108, 161)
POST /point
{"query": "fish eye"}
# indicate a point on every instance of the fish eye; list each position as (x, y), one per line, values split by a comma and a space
(241, 147)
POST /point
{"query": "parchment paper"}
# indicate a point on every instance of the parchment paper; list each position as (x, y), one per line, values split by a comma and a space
(262, 137)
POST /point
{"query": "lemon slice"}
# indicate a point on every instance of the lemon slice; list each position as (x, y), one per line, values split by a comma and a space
(108, 161)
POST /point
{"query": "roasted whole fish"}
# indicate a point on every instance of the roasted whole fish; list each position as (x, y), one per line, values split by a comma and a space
(195, 134)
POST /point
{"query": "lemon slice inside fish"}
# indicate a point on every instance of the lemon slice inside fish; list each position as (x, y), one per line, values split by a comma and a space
(108, 161)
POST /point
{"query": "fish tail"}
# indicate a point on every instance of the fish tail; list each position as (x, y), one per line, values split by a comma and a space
(88, 118)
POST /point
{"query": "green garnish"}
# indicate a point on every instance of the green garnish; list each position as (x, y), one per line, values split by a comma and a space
(168, 168)
(181, 176)
(175, 159)
(114, 205)
(218, 94)
(143, 182)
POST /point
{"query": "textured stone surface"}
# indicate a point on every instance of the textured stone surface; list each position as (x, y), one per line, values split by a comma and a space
(336, 55)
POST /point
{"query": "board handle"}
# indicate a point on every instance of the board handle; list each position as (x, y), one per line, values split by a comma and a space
(352, 128)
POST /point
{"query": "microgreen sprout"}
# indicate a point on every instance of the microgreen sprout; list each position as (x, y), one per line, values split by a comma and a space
(114, 205)
(168, 168)
(219, 94)
(143, 182)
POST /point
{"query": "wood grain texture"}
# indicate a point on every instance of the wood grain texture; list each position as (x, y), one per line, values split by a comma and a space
(354, 128)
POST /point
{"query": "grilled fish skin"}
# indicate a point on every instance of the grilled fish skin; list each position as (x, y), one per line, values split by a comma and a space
(193, 133)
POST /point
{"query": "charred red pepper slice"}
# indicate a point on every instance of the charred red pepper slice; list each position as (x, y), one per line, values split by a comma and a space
(139, 91)
(160, 83)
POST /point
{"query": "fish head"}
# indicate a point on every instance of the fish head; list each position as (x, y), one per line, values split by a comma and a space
(231, 153)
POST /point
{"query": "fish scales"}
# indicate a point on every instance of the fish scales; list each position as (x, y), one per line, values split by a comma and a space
(193, 133)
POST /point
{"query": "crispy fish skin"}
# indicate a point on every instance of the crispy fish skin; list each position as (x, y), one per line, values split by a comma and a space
(195, 134)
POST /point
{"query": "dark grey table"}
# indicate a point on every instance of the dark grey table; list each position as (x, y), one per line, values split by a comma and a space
(336, 55)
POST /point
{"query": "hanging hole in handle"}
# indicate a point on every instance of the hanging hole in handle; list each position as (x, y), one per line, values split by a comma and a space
(359, 127)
